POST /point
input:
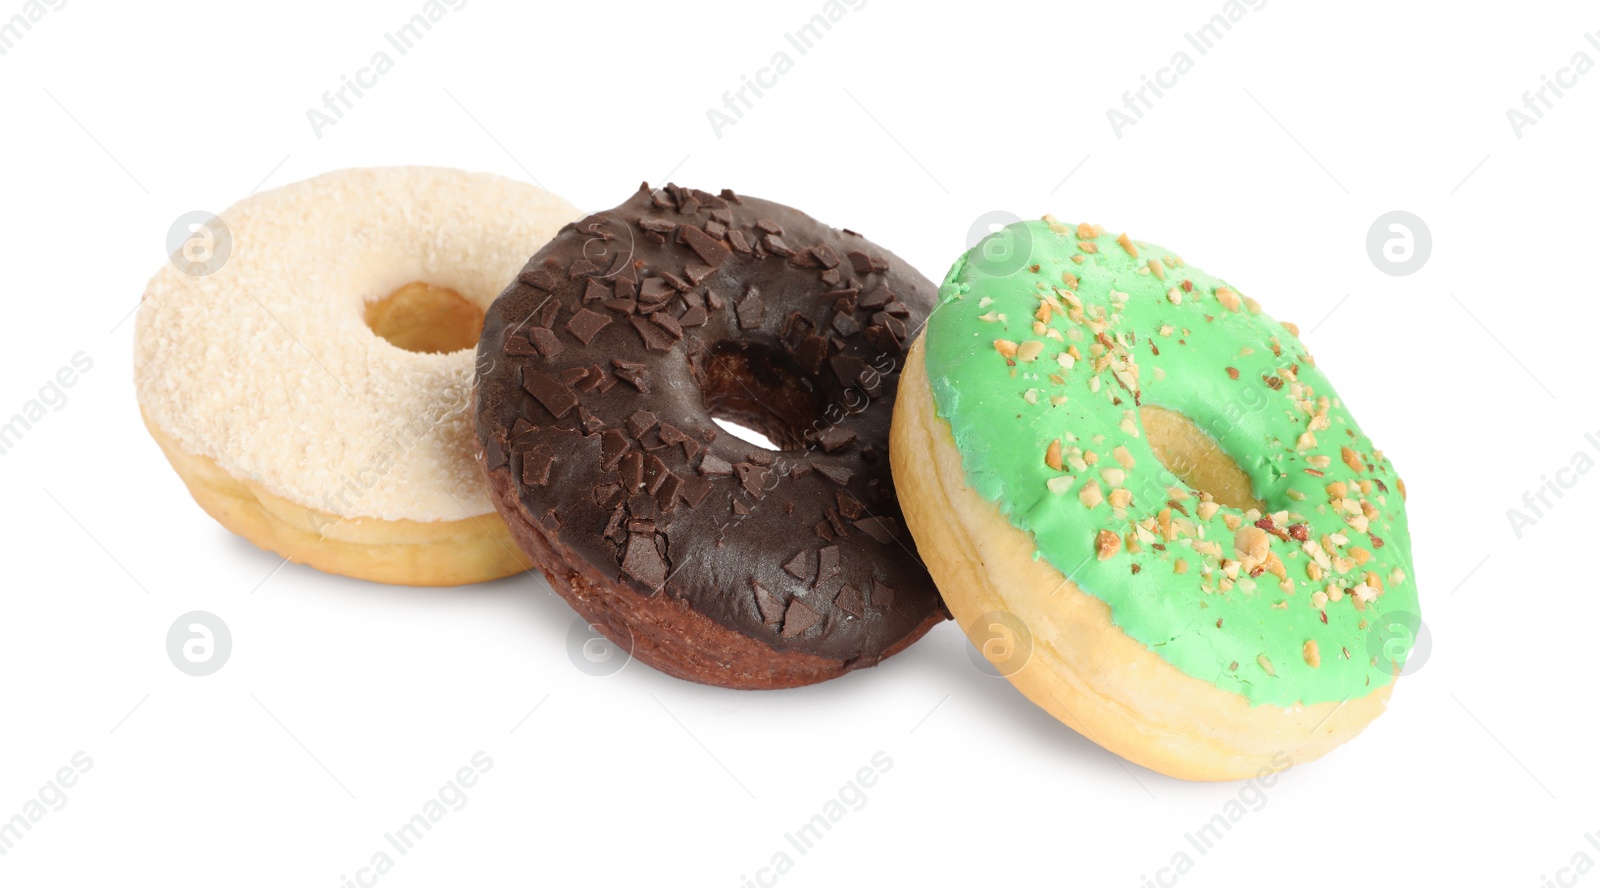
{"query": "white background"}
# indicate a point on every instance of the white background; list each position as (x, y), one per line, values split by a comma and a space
(346, 705)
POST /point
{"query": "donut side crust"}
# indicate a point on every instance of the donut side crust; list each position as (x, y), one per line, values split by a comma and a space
(401, 552)
(662, 631)
(1083, 669)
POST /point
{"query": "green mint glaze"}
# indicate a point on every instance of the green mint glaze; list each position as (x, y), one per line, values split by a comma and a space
(1173, 339)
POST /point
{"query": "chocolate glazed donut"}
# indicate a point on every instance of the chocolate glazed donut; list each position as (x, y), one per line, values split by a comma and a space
(709, 558)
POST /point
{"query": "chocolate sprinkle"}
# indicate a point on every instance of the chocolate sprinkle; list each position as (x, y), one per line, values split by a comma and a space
(750, 310)
(799, 566)
(536, 467)
(586, 324)
(556, 398)
(849, 600)
(769, 605)
(798, 618)
(880, 529)
(642, 562)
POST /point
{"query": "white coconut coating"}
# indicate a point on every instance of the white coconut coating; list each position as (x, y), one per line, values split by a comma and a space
(267, 365)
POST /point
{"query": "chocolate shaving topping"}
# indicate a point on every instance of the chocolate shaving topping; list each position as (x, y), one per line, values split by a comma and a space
(584, 324)
(632, 470)
(545, 314)
(833, 438)
(849, 600)
(799, 566)
(640, 422)
(834, 472)
(643, 562)
(798, 618)
(881, 529)
(776, 246)
(848, 506)
(750, 310)
(536, 467)
(538, 278)
(655, 289)
(494, 453)
(882, 594)
(612, 446)
(655, 337)
(694, 490)
(768, 605)
(545, 340)
(655, 472)
(556, 398)
(710, 251)
(827, 564)
(518, 346)
(753, 478)
(668, 323)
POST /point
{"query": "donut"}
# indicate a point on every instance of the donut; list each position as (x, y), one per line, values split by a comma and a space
(1143, 500)
(707, 557)
(314, 391)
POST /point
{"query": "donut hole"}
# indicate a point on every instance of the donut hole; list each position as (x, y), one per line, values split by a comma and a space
(748, 436)
(1197, 459)
(423, 318)
(760, 390)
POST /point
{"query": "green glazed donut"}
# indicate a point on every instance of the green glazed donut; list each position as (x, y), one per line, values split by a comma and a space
(1128, 324)
(1176, 454)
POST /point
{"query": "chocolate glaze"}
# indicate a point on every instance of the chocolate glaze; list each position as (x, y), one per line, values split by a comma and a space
(603, 364)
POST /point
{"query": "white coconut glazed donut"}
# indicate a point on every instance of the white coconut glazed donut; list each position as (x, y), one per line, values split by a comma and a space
(315, 391)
